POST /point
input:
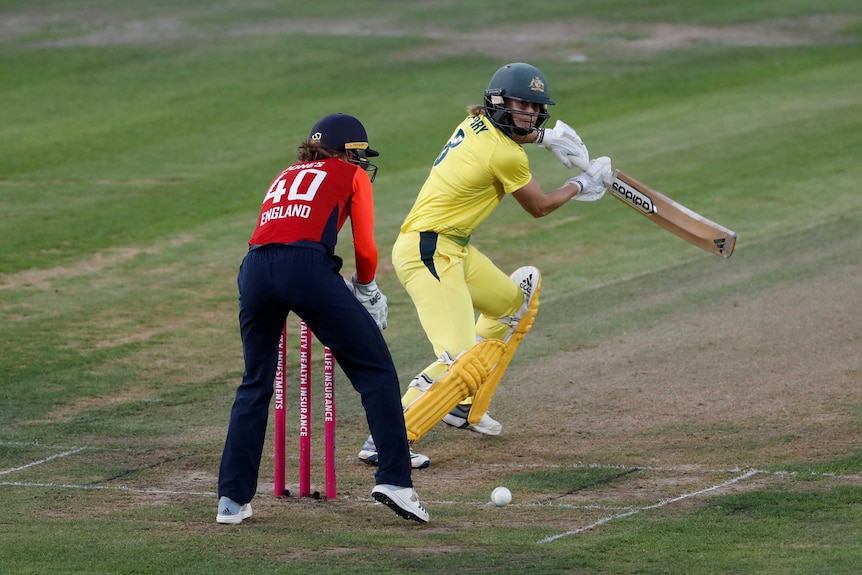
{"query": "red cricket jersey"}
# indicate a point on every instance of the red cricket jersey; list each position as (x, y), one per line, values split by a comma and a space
(310, 201)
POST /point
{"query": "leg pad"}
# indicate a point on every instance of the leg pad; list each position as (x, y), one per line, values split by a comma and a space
(466, 375)
(485, 393)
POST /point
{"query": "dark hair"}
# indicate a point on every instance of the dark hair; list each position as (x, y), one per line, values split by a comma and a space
(309, 151)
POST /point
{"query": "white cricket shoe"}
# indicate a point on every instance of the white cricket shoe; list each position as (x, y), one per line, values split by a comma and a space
(368, 454)
(231, 512)
(402, 500)
(458, 418)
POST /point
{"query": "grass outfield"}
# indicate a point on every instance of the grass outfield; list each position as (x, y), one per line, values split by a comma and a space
(671, 411)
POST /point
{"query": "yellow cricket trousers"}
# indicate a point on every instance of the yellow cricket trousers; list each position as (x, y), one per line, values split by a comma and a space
(449, 280)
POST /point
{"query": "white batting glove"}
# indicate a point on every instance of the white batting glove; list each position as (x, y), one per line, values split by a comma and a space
(594, 180)
(563, 142)
(373, 300)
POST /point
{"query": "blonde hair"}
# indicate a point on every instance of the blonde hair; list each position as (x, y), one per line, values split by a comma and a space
(476, 109)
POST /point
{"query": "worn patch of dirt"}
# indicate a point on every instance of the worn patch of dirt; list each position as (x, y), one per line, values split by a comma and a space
(573, 39)
(779, 372)
(42, 279)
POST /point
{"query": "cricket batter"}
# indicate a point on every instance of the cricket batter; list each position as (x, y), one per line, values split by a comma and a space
(291, 266)
(449, 279)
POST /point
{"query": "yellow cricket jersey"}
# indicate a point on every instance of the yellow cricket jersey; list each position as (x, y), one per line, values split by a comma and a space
(477, 167)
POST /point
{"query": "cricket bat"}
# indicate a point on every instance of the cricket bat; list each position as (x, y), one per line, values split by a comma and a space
(671, 215)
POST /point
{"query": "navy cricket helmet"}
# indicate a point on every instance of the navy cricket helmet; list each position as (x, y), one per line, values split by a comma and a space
(341, 132)
(344, 133)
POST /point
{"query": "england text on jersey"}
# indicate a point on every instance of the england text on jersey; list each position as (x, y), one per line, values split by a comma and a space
(288, 211)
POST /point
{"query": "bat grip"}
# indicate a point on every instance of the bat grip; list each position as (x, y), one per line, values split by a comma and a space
(581, 163)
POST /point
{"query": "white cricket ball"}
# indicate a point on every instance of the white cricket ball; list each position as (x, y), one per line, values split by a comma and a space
(501, 496)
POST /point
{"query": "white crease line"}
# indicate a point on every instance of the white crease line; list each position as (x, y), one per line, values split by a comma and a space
(107, 488)
(661, 503)
(41, 461)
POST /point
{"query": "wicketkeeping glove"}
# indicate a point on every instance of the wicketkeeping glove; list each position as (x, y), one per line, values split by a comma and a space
(373, 301)
(563, 141)
(594, 180)
(349, 285)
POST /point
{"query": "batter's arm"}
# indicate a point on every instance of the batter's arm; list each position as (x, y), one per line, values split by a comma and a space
(538, 203)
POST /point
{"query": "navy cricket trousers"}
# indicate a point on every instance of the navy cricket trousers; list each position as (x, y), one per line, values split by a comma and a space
(303, 278)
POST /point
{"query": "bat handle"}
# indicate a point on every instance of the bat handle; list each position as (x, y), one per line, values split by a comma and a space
(582, 163)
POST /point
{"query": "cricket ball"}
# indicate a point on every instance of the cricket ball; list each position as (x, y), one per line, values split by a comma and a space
(501, 496)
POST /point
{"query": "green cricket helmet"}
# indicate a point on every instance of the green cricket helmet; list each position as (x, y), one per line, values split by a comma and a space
(516, 81)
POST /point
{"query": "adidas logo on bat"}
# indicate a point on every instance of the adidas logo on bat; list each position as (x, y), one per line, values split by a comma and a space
(720, 245)
(633, 197)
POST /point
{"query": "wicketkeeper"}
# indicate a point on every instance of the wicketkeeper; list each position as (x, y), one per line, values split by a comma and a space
(291, 266)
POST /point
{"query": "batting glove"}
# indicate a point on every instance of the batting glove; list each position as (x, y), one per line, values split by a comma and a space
(372, 300)
(563, 141)
(594, 180)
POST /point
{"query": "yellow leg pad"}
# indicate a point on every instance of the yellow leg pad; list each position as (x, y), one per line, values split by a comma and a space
(465, 376)
(482, 399)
